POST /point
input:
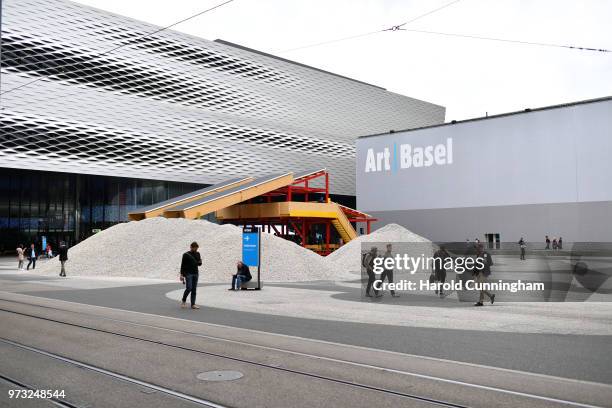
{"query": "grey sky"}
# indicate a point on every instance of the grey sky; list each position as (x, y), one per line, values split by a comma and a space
(469, 77)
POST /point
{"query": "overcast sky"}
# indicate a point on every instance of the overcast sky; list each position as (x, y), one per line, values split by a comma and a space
(469, 77)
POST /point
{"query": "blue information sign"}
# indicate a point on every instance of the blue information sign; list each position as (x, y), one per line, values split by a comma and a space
(250, 246)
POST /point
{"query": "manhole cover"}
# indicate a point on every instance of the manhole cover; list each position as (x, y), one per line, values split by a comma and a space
(219, 375)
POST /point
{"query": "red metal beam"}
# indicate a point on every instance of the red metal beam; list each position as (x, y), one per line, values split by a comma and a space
(327, 235)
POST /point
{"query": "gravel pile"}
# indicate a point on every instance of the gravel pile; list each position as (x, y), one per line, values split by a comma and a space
(348, 257)
(152, 248)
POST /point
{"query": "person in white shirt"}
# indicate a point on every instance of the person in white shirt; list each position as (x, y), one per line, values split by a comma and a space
(20, 257)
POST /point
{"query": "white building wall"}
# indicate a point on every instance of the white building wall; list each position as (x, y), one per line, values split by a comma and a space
(175, 107)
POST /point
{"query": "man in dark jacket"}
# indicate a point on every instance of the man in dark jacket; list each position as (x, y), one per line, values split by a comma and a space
(368, 263)
(522, 247)
(189, 274)
(388, 273)
(481, 275)
(439, 259)
(243, 274)
(32, 255)
(63, 257)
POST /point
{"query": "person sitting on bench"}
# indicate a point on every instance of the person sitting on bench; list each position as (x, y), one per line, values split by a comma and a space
(243, 275)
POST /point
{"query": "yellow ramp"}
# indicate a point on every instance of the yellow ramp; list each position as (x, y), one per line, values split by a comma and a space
(229, 197)
(294, 209)
(157, 209)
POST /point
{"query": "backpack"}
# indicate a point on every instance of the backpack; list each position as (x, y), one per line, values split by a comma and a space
(364, 258)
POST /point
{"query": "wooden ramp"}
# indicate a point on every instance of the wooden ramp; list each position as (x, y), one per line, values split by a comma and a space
(158, 209)
(228, 197)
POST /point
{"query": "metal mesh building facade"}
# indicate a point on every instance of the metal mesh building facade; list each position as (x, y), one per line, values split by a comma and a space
(174, 107)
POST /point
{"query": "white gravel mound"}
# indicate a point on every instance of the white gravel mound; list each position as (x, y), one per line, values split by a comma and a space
(348, 257)
(153, 248)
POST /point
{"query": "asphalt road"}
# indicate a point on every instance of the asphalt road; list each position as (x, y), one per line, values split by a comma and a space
(571, 356)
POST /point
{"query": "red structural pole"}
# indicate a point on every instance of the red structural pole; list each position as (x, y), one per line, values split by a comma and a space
(304, 232)
(306, 189)
(368, 226)
(327, 235)
(326, 187)
(289, 193)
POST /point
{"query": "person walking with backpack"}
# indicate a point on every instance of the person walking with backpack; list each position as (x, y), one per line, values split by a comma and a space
(367, 261)
(189, 274)
(63, 257)
(482, 276)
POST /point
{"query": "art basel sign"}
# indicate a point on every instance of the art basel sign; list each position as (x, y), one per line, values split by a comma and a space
(406, 156)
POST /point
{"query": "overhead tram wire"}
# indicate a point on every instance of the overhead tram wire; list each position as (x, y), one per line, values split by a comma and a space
(133, 41)
(371, 32)
(422, 15)
(478, 37)
(400, 27)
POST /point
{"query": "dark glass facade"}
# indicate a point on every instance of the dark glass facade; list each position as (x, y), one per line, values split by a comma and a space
(69, 207)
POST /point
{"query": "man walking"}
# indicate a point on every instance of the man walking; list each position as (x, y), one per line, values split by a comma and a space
(547, 242)
(63, 257)
(439, 259)
(522, 247)
(32, 255)
(368, 264)
(481, 276)
(388, 273)
(189, 274)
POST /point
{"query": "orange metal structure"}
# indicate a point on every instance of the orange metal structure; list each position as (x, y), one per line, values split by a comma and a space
(289, 212)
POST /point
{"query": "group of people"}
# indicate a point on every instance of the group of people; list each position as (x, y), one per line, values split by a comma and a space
(32, 254)
(556, 243)
(368, 262)
(480, 275)
(189, 274)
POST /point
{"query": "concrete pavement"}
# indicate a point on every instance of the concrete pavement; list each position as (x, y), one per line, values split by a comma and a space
(278, 370)
(411, 352)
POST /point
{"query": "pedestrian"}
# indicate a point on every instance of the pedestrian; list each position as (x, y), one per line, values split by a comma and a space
(20, 257)
(63, 257)
(32, 255)
(49, 251)
(481, 276)
(189, 274)
(478, 245)
(547, 242)
(560, 243)
(522, 246)
(439, 259)
(388, 273)
(554, 243)
(243, 275)
(367, 261)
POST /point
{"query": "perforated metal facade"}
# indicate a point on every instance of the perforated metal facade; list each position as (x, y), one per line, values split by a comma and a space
(175, 107)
